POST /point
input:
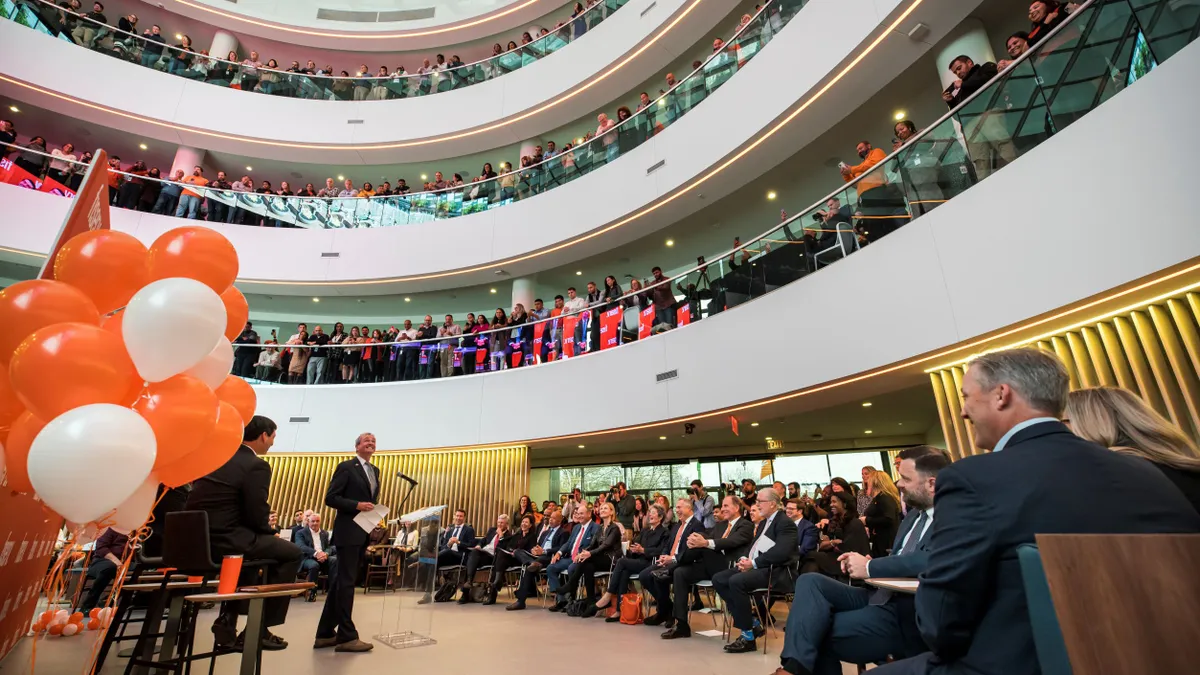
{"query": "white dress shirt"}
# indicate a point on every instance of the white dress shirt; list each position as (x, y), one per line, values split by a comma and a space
(759, 545)
(316, 537)
(928, 523)
(712, 543)
(1017, 428)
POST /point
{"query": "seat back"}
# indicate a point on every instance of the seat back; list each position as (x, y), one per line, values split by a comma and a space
(186, 545)
(1047, 635)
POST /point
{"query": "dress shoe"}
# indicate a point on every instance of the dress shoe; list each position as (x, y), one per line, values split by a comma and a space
(324, 643)
(516, 606)
(590, 611)
(613, 619)
(697, 605)
(354, 646)
(560, 606)
(268, 643)
(679, 630)
(425, 600)
(741, 646)
(224, 631)
(534, 567)
(312, 596)
(655, 620)
(759, 631)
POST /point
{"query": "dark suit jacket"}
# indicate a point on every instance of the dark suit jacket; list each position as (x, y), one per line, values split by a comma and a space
(971, 607)
(653, 540)
(560, 535)
(607, 541)
(910, 565)
(515, 541)
(303, 538)
(235, 497)
(883, 517)
(726, 550)
(347, 488)
(784, 553)
(589, 532)
(807, 537)
(694, 525)
(465, 540)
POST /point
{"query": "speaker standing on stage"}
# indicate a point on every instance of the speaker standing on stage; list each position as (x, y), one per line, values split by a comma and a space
(354, 488)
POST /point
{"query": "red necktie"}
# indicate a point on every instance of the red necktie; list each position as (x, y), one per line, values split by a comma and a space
(578, 541)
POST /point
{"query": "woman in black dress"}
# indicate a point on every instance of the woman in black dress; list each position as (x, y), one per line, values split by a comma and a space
(523, 538)
(844, 532)
(882, 516)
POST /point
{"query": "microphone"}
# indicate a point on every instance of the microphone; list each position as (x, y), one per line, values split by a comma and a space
(400, 474)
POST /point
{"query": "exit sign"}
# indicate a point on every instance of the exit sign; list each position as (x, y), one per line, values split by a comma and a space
(774, 445)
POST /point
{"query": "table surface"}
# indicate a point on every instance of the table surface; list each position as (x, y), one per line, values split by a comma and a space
(154, 586)
(896, 584)
(283, 593)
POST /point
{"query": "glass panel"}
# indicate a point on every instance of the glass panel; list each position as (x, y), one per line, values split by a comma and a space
(849, 465)
(810, 471)
(311, 80)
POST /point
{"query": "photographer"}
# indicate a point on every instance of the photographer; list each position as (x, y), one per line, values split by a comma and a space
(824, 233)
(702, 503)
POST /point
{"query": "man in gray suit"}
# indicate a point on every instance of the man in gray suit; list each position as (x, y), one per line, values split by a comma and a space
(831, 622)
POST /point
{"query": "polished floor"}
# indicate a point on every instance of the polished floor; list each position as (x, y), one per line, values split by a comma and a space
(470, 639)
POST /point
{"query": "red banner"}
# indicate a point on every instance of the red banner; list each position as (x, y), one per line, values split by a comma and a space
(89, 209)
(539, 330)
(24, 558)
(610, 328)
(56, 188)
(645, 322)
(14, 175)
(569, 324)
(683, 315)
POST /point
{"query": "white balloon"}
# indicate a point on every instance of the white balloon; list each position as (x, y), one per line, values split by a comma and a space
(70, 629)
(170, 325)
(89, 460)
(134, 511)
(213, 368)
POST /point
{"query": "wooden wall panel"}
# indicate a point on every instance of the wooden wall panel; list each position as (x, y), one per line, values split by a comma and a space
(485, 482)
(1153, 351)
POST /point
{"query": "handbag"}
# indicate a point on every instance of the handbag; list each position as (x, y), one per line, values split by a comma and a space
(445, 593)
(631, 609)
(576, 608)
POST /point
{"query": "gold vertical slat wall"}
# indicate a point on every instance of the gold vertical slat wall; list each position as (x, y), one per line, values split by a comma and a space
(485, 482)
(1154, 351)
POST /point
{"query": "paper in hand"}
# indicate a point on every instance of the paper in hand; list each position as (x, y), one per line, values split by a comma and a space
(367, 520)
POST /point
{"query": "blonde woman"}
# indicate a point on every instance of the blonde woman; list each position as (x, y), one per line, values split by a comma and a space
(1122, 422)
(864, 499)
(882, 516)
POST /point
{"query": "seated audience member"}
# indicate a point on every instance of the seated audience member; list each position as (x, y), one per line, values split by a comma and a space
(597, 557)
(563, 559)
(549, 540)
(455, 541)
(273, 523)
(807, 536)
(844, 533)
(1120, 421)
(702, 556)
(482, 554)
(643, 551)
(319, 557)
(768, 563)
(235, 497)
(523, 539)
(831, 622)
(990, 503)
(107, 554)
(882, 515)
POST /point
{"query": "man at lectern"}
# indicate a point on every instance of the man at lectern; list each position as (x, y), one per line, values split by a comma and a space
(353, 489)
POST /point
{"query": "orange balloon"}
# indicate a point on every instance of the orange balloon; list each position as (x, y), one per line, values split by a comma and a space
(238, 393)
(77, 617)
(195, 253)
(67, 365)
(16, 451)
(29, 305)
(182, 411)
(93, 624)
(108, 266)
(10, 405)
(95, 613)
(112, 322)
(56, 629)
(212, 454)
(47, 617)
(236, 312)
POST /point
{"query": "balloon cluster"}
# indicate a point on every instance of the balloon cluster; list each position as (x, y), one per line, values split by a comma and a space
(67, 624)
(114, 376)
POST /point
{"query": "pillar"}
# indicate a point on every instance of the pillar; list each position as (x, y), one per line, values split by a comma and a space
(186, 158)
(523, 291)
(968, 39)
(222, 44)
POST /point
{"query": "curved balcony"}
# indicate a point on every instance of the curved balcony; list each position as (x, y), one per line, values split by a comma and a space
(541, 94)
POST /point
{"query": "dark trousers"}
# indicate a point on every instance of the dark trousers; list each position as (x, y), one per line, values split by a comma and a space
(285, 564)
(586, 571)
(243, 361)
(626, 567)
(528, 583)
(101, 572)
(681, 580)
(500, 565)
(831, 622)
(313, 569)
(476, 558)
(734, 587)
(408, 363)
(339, 602)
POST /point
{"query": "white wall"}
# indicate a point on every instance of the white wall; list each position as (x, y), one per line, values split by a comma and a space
(322, 126)
(1067, 221)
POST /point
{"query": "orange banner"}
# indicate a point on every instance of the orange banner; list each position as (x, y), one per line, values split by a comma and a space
(24, 558)
(89, 209)
(683, 315)
(645, 322)
(610, 328)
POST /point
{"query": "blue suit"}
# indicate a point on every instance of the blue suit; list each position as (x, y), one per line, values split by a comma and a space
(831, 622)
(807, 537)
(565, 562)
(466, 539)
(310, 565)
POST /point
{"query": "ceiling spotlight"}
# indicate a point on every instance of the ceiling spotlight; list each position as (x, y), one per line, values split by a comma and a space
(143, 146)
(754, 424)
(249, 168)
(408, 299)
(867, 404)
(424, 177)
(900, 114)
(14, 108)
(178, 36)
(662, 438)
(341, 178)
(670, 242)
(867, 431)
(771, 195)
(578, 273)
(581, 447)
(493, 290)
(316, 299)
(578, 140)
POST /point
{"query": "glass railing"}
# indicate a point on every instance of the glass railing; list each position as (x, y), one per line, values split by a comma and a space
(628, 130)
(172, 56)
(1104, 47)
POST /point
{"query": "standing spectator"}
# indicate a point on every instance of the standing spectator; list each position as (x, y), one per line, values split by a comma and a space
(152, 46)
(85, 32)
(189, 200)
(130, 192)
(1045, 16)
(451, 331)
(989, 143)
(316, 359)
(236, 213)
(218, 212)
(663, 299)
(181, 56)
(168, 195)
(33, 160)
(625, 505)
(299, 360)
(864, 498)
(425, 332)
(330, 190)
(876, 199)
(703, 506)
(150, 191)
(245, 356)
(8, 135)
(882, 515)
(250, 72)
(64, 160)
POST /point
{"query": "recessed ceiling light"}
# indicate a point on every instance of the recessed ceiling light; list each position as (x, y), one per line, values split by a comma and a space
(178, 36)
(578, 273)
(493, 290)
(768, 438)
(316, 299)
(424, 177)
(867, 404)
(578, 140)
(249, 168)
(900, 114)
(670, 242)
(14, 108)
(867, 431)
(143, 146)
(341, 178)
(754, 424)
(581, 447)
(408, 299)
(771, 195)
(662, 438)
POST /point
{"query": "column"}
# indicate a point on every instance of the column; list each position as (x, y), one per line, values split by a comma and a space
(523, 291)
(968, 39)
(222, 44)
(186, 158)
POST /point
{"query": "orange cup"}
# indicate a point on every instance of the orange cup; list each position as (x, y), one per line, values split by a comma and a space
(231, 569)
(195, 580)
